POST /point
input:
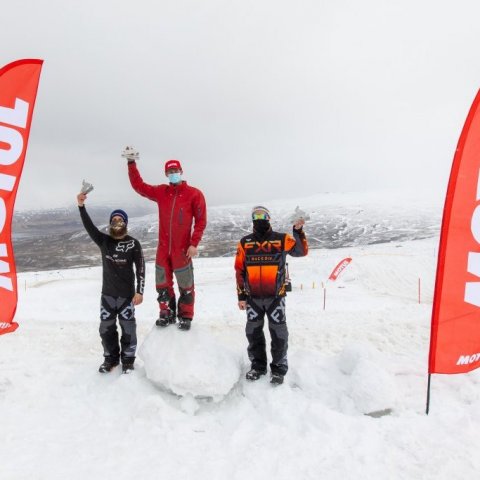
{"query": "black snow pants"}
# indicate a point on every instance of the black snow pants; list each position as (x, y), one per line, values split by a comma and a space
(274, 308)
(110, 308)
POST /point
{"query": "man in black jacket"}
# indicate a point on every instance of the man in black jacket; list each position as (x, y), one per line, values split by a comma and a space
(119, 296)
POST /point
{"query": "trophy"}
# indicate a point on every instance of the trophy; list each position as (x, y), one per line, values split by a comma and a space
(299, 214)
(86, 187)
(130, 154)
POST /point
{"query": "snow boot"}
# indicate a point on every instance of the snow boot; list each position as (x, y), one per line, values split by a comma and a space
(108, 365)
(167, 317)
(254, 374)
(127, 368)
(165, 321)
(184, 323)
(167, 311)
(276, 379)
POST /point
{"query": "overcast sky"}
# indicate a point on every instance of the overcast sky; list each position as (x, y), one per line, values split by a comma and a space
(259, 99)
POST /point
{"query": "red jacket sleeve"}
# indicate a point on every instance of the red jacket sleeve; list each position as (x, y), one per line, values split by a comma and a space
(200, 216)
(148, 191)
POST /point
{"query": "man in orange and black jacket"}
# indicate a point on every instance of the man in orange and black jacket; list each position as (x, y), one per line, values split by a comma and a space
(260, 273)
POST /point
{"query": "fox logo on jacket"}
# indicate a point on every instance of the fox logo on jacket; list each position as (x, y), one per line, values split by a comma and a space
(125, 246)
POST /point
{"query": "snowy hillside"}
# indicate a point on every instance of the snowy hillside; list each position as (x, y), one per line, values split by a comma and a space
(352, 406)
(336, 221)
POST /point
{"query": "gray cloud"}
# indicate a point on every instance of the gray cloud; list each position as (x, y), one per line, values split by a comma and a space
(264, 99)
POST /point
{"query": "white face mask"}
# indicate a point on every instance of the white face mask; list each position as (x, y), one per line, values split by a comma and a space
(175, 177)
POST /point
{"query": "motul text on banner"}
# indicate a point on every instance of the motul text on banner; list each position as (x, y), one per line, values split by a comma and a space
(455, 330)
(342, 265)
(18, 91)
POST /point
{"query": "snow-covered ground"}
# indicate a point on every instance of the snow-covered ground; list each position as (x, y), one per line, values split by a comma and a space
(188, 413)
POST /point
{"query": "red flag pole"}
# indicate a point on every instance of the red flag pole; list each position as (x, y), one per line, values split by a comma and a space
(428, 394)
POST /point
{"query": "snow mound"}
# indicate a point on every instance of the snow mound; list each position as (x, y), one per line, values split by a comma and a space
(353, 382)
(192, 363)
(371, 388)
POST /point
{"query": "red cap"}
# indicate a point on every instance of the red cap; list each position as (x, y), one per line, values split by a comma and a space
(172, 164)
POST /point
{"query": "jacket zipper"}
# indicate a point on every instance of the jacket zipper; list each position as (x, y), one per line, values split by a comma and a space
(171, 222)
(261, 279)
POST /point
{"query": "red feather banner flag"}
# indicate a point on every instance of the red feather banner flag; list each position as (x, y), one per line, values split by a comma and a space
(455, 328)
(342, 265)
(18, 91)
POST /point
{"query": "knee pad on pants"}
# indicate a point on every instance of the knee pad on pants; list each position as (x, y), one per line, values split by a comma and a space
(187, 297)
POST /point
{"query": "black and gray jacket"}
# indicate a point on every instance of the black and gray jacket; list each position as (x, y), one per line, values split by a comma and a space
(118, 258)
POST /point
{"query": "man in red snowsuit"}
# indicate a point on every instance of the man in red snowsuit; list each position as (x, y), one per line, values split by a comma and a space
(179, 207)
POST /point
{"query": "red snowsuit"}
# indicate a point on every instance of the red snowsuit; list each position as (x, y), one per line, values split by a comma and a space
(178, 206)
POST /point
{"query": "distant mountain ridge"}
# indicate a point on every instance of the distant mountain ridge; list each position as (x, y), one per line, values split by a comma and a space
(55, 239)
